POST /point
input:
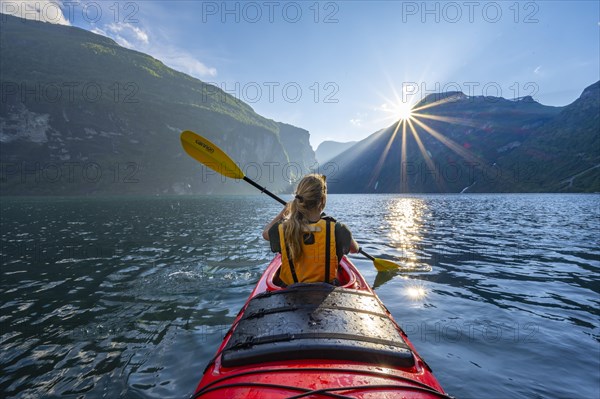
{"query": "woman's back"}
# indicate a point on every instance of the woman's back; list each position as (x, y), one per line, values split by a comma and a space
(310, 243)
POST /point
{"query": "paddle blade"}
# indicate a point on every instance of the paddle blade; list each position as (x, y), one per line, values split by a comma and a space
(202, 150)
(383, 265)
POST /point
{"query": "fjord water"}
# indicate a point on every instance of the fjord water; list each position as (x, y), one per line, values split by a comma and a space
(130, 297)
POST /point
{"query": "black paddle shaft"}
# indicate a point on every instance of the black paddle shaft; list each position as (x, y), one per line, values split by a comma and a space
(264, 190)
(360, 250)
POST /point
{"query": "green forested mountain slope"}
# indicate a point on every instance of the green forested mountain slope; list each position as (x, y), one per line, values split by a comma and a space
(80, 114)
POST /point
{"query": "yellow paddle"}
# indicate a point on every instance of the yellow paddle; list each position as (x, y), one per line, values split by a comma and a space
(382, 265)
(204, 151)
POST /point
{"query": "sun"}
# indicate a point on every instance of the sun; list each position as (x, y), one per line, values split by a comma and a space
(400, 110)
(403, 111)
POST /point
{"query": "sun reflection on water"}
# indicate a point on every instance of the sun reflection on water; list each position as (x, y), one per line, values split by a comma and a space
(415, 292)
(406, 224)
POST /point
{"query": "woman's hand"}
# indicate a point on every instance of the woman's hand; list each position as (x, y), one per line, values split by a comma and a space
(276, 219)
(281, 214)
(354, 247)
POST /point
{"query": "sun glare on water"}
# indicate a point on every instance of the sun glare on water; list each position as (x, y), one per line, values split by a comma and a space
(416, 293)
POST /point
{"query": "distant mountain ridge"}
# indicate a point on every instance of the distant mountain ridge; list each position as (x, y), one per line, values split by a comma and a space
(330, 149)
(565, 152)
(479, 144)
(80, 114)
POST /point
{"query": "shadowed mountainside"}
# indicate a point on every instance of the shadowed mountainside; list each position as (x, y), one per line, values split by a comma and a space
(456, 143)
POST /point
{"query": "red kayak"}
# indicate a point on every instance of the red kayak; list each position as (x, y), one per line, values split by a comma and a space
(316, 341)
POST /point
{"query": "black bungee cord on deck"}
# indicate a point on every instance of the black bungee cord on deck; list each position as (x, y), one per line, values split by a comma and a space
(305, 391)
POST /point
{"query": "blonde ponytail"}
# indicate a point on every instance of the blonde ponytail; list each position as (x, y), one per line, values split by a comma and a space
(311, 194)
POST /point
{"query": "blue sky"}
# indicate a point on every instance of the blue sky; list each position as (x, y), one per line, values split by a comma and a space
(338, 69)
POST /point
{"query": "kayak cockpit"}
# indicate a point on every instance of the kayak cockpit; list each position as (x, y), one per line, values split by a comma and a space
(316, 321)
(345, 276)
(316, 340)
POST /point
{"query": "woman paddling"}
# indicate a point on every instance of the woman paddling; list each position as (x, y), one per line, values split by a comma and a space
(311, 244)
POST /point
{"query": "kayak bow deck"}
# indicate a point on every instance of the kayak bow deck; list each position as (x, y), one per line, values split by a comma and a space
(316, 341)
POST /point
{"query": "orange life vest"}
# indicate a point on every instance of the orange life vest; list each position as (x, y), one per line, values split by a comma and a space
(318, 262)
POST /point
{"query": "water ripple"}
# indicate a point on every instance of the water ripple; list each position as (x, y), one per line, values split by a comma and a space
(98, 300)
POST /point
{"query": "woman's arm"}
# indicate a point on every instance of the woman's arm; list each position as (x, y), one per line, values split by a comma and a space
(276, 219)
(344, 241)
